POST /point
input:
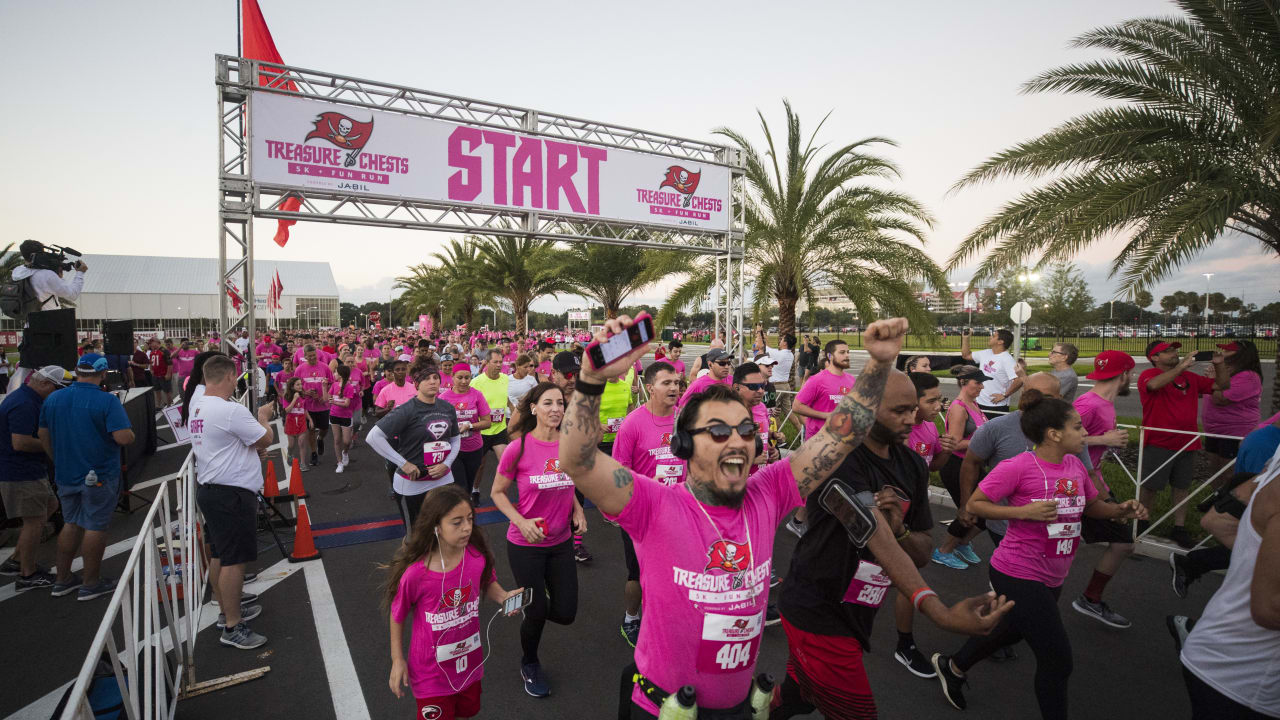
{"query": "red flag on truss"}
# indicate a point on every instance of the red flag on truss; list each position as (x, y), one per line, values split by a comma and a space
(279, 289)
(257, 44)
(271, 297)
(233, 292)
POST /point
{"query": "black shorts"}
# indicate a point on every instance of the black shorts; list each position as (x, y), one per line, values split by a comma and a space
(159, 383)
(629, 553)
(1222, 447)
(340, 421)
(1097, 530)
(231, 519)
(491, 441)
(319, 419)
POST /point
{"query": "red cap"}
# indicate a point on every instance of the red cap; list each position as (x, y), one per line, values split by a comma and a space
(1161, 347)
(1110, 363)
(1232, 346)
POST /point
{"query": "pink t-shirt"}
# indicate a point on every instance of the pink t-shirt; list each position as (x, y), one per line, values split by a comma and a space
(350, 391)
(644, 445)
(400, 394)
(924, 440)
(444, 650)
(1241, 416)
(701, 384)
(370, 356)
(543, 491)
(377, 387)
(322, 357)
(1098, 415)
(823, 392)
(264, 351)
(470, 407)
(710, 577)
(1022, 479)
(760, 414)
(677, 364)
(184, 361)
(315, 377)
(544, 368)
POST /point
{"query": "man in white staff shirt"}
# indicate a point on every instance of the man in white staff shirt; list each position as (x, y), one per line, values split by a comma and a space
(999, 365)
(226, 439)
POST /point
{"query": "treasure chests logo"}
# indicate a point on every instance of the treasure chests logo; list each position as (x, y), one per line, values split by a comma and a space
(677, 196)
(340, 154)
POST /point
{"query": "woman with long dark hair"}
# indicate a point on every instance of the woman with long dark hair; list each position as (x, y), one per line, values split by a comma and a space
(1236, 410)
(194, 389)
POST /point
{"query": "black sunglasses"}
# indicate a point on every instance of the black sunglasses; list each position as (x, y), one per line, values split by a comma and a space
(720, 432)
(754, 386)
(723, 362)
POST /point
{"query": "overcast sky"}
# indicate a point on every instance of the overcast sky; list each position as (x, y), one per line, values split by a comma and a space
(111, 128)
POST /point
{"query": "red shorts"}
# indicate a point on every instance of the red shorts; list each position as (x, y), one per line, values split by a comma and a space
(830, 673)
(295, 424)
(459, 705)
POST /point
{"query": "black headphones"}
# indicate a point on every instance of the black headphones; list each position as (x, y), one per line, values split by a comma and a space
(682, 444)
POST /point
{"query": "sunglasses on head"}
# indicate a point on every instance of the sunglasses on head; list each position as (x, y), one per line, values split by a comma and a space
(720, 432)
(754, 386)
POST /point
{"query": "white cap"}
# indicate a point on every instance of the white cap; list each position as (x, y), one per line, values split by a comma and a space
(765, 360)
(405, 358)
(53, 374)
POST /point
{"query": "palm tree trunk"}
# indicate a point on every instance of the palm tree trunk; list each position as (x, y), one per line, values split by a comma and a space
(520, 305)
(786, 314)
(468, 311)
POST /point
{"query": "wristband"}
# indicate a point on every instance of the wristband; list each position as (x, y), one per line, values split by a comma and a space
(588, 388)
(918, 597)
(906, 532)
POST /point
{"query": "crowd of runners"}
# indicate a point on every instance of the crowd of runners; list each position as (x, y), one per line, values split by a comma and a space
(695, 462)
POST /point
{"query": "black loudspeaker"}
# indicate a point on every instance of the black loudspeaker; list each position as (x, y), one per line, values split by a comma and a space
(117, 337)
(50, 339)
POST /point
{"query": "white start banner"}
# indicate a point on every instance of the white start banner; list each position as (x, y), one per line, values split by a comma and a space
(307, 143)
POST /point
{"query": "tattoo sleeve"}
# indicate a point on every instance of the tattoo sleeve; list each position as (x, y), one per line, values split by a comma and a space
(844, 430)
(582, 427)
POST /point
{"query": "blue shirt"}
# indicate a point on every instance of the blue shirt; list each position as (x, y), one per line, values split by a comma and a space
(1257, 448)
(80, 420)
(20, 415)
(271, 371)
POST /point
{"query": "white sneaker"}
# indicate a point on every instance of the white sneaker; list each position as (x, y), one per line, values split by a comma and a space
(339, 468)
(345, 459)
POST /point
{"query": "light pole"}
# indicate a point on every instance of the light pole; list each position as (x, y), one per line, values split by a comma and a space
(1207, 277)
(313, 318)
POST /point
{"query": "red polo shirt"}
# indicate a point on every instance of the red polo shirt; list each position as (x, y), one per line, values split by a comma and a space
(1174, 406)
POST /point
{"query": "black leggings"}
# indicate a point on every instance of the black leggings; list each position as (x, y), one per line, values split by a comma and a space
(1209, 704)
(466, 468)
(1034, 618)
(544, 569)
(1205, 560)
(950, 474)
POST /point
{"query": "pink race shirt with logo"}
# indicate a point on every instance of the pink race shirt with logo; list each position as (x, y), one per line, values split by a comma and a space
(1035, 550)
(470, 407)
(644, 445)
(183, 361)
(350, 391)
(701, 384)
(322, 357)
(318, 378)
(1098, 415)
(544, 491)
(444, 652)
(822, 392)
(703, 579)
(924, 440)
(399, 394)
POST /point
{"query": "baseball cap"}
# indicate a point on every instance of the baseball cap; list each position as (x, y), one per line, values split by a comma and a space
(405, 358)
(1232, 346)
(765, 360)
(971, 372)
(1110, 363)
(53, 374)
(1159, 346)
(717, 354)
(90, 363)
(566, 362)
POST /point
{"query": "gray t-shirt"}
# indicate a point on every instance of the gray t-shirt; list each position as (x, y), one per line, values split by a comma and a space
(1068, 380)
(411, 426)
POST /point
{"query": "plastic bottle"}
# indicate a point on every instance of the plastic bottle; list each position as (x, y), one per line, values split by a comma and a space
(681, 705)
(91, 480)
(761, 696)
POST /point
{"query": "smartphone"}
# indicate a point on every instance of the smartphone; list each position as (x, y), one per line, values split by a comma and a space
(516, 602)
(638, 335)
(1203, 356)
(852, 511)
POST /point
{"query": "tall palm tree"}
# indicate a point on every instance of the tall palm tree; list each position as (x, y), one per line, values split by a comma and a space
(1188, 156)
(425, 292)
(516, 269)
(820, 223)
(457, 263)
(609, 274)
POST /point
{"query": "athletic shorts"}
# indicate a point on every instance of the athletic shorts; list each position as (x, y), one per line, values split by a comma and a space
(459, 705)
(499, 438)
(629, 554)
(1176, 472)
(231, 519)
(26, 498)
(340, 421)
(1222, 447)
(830, 673)
(319, 419)
(295, 424)
(1098, 530)
(89, 507)
(159, 383)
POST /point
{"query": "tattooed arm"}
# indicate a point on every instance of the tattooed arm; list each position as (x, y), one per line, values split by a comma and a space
(855, 414)
(598, 476)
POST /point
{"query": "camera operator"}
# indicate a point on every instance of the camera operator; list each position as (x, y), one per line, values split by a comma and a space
(42, 269)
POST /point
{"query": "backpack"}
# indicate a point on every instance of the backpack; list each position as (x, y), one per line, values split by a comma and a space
(18, 299)
(106, 700)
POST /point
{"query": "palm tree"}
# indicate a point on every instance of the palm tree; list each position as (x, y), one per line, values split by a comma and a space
(10, 259)
(818, 223)
(1189, 155)
(458, 262)
(516, 269)
(425, 293)
(609, 274)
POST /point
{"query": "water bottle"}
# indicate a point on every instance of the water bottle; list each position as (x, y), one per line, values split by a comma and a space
(761, 696)
(91, 480)
(681, 705)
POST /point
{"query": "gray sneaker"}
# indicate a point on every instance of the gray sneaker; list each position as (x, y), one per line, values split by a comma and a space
(66, 588)
(242, 637)
(247, 613)
(37, 580)
(1101, 612)
(104, 586)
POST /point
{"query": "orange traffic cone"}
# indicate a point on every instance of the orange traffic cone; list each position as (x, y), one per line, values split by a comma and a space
(270, 487)
(304, 546)
(295, 480)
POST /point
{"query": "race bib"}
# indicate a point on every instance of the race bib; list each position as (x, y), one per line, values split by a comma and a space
(434, 452)
(668, 474)
(729, 643)
(497, 415)
(457, 657)
(613, 425)
(868, 586)
(1063, 536)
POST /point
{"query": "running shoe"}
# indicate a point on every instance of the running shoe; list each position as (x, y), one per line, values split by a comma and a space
(59, 589)
(339, 468)
(249, 577)
(581, 554)
(534, 683)
(475, 498)
(1101, 612)
(914, 662)
(1182, 537)
(949, 560)
(1177, 564)
(315, 458)
(797, 527)
(966, 553)
(104, 586)
(771, 615)
(242, 637)
(774, 580)
(1179, 627)
(35, 581)
(631, 631)
(11, 568)
(247, 613)
(952, 684)
(345, 460)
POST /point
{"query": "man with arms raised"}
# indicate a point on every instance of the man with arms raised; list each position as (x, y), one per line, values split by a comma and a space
(705, 546)
(998, 364)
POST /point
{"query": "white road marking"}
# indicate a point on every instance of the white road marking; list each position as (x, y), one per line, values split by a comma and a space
(7, 592)
(344, 684)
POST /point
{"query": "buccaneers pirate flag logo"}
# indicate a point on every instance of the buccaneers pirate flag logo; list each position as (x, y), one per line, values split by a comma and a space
(342, 131)
(683, 181)
(456, 597)
(729, 556)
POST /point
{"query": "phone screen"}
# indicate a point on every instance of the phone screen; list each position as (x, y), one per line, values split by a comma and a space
(515, 602)
(618, 345)
(1204, 356)
(853, 514)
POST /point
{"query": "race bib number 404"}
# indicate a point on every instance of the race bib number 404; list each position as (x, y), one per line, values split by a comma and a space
(729, 643)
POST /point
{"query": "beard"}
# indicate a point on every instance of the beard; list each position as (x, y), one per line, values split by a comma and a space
(1124, 389)
(712, 495)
